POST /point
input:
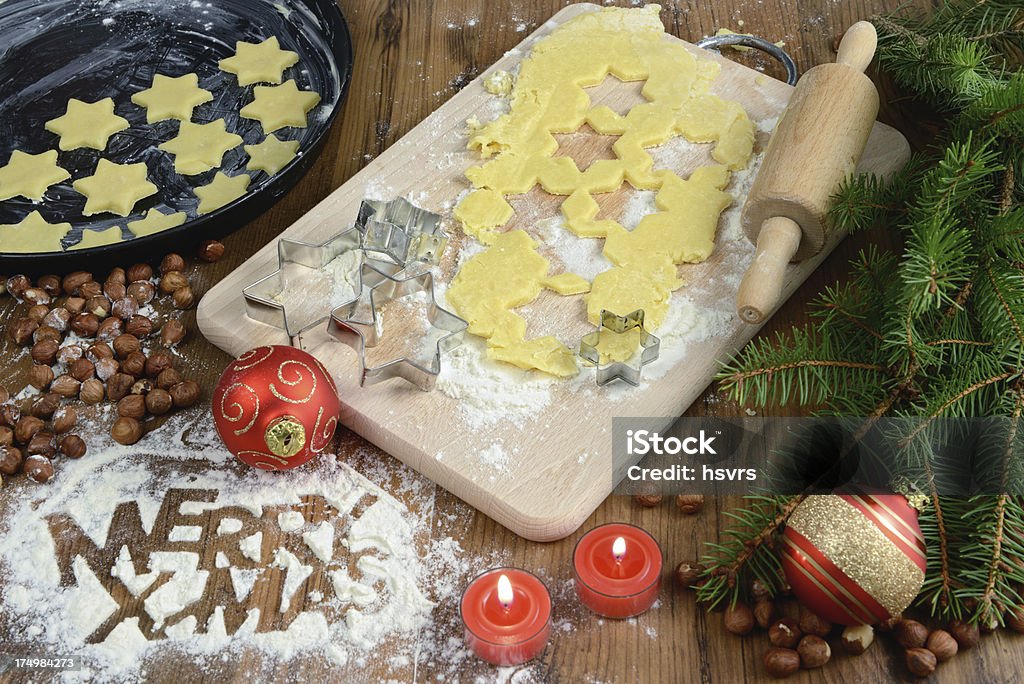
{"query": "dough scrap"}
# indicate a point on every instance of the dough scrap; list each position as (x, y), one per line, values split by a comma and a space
(279, 106)
(259, 62)
(87, 124)
(271, 155)
(548, 97)
(222, 190)
(115, 188)
(98, 238)
(155, 222)
(200, 147)
(29, 175)
(33, 235)
(172, 98)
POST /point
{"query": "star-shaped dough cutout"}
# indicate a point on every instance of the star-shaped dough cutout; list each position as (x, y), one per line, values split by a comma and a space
(33, 235)
(222, 190)
(98, 238)
(200, 147)
(155, 222)
(115, 188)
(259, 62)
(172, 98)
(279, 106)
(271, 155)
(29, 175)
(87, 124)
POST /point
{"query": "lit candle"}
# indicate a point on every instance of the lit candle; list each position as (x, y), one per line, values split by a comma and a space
(618, 570)
(506, 613)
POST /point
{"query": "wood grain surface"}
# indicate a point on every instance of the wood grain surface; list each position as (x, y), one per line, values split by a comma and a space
(412, 56)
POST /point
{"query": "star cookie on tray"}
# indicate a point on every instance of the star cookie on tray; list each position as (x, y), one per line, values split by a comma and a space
(87, 124)
(171, 98)
(98, 238)
(29, 175)
(271, 155)
(279, 106)
(259, 62)
(200, 147)
(115, 188)
(34, 234)
(222, 190)
(155, 222)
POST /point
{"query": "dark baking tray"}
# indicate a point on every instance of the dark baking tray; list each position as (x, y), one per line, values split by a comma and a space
(53, 50)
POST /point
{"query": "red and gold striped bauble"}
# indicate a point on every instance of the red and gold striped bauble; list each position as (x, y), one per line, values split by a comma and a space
(855, 557)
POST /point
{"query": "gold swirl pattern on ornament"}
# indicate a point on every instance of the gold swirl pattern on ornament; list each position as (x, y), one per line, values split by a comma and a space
(324, 433)
(859, 549)
(242, 362)
(264, 465)
(293, 383)
(240, 409)
(327, 374)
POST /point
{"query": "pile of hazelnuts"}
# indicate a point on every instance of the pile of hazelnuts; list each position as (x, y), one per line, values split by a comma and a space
(93, 341)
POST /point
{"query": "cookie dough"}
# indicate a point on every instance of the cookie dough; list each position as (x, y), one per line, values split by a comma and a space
(222, 190)
(29, 175)
(98, 238)
(172, 98)
(271, 155)
(259, 62)
(155, 222)
(548, 97)
(200, 147)
(32, 235)
(87, 124)
(115, 188)
(279, 106)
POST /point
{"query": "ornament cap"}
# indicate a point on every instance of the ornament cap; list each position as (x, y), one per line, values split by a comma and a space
(285, 436)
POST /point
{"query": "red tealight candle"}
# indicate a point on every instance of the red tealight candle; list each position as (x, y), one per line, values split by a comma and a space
(506, 613)
(618, 570)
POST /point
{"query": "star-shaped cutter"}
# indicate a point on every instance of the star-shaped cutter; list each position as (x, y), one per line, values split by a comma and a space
(260, 304)
(611, 323)
(399, 232)
(361, 330)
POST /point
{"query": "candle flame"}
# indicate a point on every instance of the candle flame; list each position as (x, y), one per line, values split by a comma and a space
(505, 595)
(619, 548)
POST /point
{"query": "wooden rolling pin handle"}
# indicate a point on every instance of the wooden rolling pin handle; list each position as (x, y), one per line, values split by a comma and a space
(761, 288)
(857, 48)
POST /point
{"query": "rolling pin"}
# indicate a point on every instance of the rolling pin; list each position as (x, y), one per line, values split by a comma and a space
(816, 144)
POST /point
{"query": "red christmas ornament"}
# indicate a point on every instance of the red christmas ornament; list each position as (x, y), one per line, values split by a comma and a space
(275, 407)
(856, 557)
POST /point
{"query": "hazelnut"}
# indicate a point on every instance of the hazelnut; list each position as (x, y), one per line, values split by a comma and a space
(117, 275)
(813, 651)
(142, 386)
(183, 297)
(99, 305)
(57, 319)
(65, 386)
(132, 406)
(142, 292)
(6, 437)
(159, 402)
(173, 332)
(172, 281)
(124, 308)
(90, 289)
(857, 639)
(105, 368)
(45, 406)
(172, 262)
(10, 460)
(158, 361)
(26, 428)
(109, 329)
(140, 326)
(134, 364)
(100, 350)
(645, 500)
(92, 391)
(988, 622)
(920, 661)
(72, 446)
(759, 591)
(811, 623)
(942, 644)
(119, 385)
(910, 633)
(40, 376)
(51, 284)
(74, 305)
(9, 415)
(45, 352)
(211, 251)
(185, 393)
(42, 444)
(38, 312)
(82, 369)
(21, 331)
(126, 430)
(74, 281)
(114, 291)
(967, 634)
(125, 344)
(688, 573)
(889, 623)
(17, 284)
(1015, 618)
(785, 633)
(168, 378)
(85, 324)
(781, 662)
(45, 332)
(38, 468)
(69, 353)
(64, 419)
(764, 613)
(739, 619)
(137, 272)
(36, 295)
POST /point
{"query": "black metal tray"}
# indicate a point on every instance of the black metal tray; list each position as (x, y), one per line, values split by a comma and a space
(54, 50)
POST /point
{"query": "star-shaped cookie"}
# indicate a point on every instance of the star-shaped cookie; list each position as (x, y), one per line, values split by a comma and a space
(32, 235)
(29, 175)
(271, 155)
(155, 222)
(172, 98)
(87, 124)
(115, 188)
(279, 106)
(222, 190)
(98, 238)
(200, 147)
(259, 62)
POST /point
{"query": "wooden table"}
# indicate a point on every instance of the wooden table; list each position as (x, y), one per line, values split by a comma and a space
(411, 57)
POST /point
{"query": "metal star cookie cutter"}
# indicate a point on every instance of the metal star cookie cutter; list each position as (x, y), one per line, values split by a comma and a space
(359, 326)
(260, 297)
(399, 232)
(611, 323)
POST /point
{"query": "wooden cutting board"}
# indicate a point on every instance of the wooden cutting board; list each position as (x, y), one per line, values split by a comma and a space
(557, 464)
